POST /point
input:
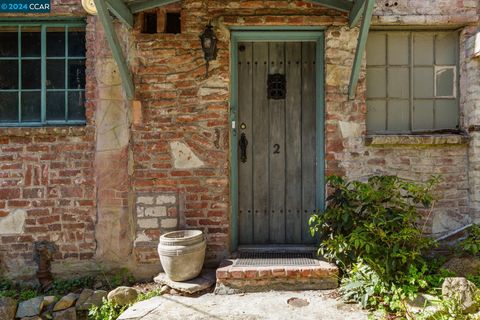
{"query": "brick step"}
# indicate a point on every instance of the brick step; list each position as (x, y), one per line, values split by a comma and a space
(232, 279)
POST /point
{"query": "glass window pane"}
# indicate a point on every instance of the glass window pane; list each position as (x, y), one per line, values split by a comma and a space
(376, 115)
(398, 82)
(376, 83)
(55, 105)
(31, 42)
(9, 42)
(423, 48)
(423, 82)
(31, 102)
(446, 48)
(376, 48)
(76, 44)
(8, 106)
(55, 42)
(398, 48)
(444, 82)
(76, 74)
(76, 105)
(422, 114)
(446, 114)
(398, 118)
(55, 74)
(8, 74)
(31, 74)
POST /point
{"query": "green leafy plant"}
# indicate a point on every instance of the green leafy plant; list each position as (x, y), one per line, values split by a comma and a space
(64, 286)
(361, 284)
(471, 244)
(107, 311)
(119, 278)
(17, 291)
(111, 311)
(375, 221)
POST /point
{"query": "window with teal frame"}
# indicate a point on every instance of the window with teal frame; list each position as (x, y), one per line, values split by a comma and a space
(42, 73)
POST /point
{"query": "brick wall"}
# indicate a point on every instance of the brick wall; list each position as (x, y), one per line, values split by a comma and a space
(110, 189)
(47, 186)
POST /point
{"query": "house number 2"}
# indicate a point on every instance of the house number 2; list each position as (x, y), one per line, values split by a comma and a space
(276, 148)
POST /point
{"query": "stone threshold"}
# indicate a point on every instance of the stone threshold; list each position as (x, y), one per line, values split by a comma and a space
(232, 279)
(417, 139)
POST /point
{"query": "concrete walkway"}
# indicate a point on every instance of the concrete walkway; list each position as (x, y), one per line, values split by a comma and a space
(315, 305)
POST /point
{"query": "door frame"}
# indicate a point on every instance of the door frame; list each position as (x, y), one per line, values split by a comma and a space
(270, 34)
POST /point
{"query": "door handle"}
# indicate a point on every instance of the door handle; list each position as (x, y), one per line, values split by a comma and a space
(243, 143)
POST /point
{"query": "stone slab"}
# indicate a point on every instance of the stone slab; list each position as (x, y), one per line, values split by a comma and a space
(202, 282)
(140, 309)
(251, 306)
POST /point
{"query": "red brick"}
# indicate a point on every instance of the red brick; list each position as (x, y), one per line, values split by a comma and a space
(6, 194)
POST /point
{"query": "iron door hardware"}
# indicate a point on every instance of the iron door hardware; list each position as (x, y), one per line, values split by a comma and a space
(243, 143)
(276, 86)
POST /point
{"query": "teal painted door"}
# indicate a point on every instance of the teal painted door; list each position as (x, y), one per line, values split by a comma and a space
(276, 141)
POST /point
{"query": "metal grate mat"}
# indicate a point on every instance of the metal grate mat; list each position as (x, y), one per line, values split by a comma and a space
(268, 259)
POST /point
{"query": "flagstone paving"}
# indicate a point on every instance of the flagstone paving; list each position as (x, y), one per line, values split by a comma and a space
(304, 305)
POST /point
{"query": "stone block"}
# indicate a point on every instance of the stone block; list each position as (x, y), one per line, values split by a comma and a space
(169, 223)
(145, 223)
(166, 199)
(159, 211)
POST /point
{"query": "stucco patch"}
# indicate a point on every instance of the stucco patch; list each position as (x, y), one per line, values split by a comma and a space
(184, 158)
(350, 129)
(13, 223)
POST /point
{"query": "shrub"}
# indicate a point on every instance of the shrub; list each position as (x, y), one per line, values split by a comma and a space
(471, 244)
(375, 221)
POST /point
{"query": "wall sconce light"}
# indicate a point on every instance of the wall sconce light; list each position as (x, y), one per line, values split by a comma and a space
(209, 45)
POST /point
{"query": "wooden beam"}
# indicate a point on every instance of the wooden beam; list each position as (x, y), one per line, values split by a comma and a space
(361, 44)
(121, 11)
(356, 12)
(341, 5)
(117, 53)
(149, 4)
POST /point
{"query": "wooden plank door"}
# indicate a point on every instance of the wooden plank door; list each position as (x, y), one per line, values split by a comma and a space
(277, 143)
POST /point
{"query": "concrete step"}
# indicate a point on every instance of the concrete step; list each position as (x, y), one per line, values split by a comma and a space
(232, 279)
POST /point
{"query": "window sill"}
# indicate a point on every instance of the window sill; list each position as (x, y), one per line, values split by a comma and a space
(417, 139)
(62, 131)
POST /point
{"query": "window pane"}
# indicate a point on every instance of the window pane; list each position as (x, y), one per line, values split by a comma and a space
(8, 74)
(8, 106)
(422, 114)
(423, 82)
(398, 118)
(446, 114)
(446, 48)
(55, 42)
(55, 105)
(31, 106)
(55, 74)
(76, 105)
(376, 83)
(445, 82)
(9, 43)
(76, 74)
(376, 49)
(423, 49)
(398, 82)
(31, 74)
(76, 44)
(376, 115)
(31, 43)
(398, 48)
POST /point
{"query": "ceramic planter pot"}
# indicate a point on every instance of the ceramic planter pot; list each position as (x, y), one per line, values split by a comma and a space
(182, 254)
